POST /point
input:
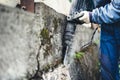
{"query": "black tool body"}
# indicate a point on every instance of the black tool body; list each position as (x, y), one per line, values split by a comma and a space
(73, 20)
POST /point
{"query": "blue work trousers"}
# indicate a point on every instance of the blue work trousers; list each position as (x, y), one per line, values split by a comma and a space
(109, 55)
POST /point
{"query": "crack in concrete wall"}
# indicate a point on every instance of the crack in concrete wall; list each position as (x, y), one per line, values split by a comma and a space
(20, 39)
(31, 44)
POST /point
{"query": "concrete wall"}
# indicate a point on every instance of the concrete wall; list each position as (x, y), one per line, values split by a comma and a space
(31, 44)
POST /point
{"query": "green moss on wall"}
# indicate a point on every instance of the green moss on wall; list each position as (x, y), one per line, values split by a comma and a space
(78, 55)
(45, 33)
(46, 41)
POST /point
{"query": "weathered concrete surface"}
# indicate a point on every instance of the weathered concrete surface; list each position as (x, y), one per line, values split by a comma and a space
(85, 67)
(15, 28)
(91, 71)
(31, 44)
(51, 35)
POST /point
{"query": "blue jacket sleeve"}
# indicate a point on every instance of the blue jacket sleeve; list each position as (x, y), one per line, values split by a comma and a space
(110, 13)
(99, 3)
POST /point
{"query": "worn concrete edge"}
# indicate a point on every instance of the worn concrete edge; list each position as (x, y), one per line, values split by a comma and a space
(32, 16)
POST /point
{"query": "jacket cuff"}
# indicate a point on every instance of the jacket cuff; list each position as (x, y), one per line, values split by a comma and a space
(90, 16)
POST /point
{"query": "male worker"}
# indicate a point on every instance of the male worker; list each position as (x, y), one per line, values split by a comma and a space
(107, 14)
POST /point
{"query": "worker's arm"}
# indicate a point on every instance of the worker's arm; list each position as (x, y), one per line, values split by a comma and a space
(99, 3)
(110, 13)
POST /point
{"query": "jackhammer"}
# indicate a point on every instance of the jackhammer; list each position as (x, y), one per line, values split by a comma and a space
(73, 20)
(76, 7)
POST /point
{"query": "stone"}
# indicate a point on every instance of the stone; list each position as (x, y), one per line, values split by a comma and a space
(29, 43)
(31, 46)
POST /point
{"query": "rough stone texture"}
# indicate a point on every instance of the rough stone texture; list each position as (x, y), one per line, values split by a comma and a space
(85, 67)
(31, 45)
(59, 73)
(51, 35)
(82, 36)
(29, 42)
(15, 42)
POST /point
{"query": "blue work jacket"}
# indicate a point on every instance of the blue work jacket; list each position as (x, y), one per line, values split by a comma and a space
(107, 14)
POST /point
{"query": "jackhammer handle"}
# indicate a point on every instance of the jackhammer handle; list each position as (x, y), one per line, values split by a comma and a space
(75, 18)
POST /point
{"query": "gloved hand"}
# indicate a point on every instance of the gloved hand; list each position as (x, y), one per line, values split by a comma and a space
(85, 18)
